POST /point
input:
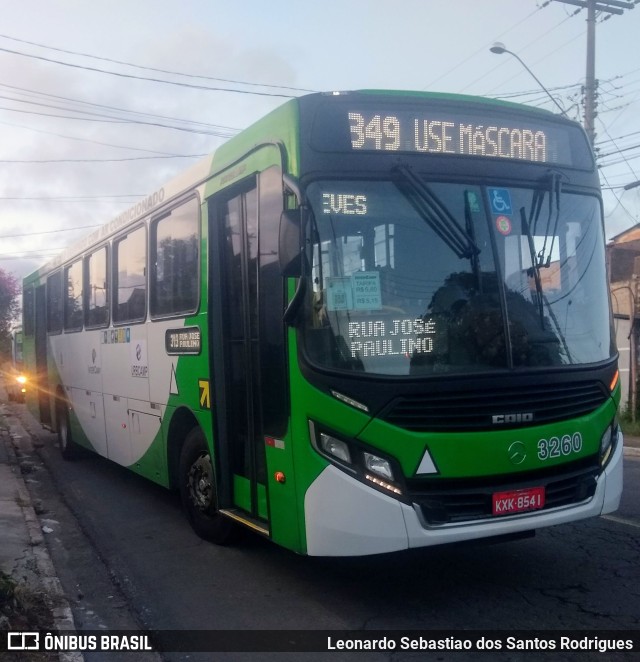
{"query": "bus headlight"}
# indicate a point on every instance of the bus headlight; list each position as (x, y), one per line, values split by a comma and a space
(335, 447)
(607, 442)
(354, 457)
(378, 465)
(21, 379)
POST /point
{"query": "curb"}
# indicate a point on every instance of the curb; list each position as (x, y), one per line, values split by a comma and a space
(61, 614)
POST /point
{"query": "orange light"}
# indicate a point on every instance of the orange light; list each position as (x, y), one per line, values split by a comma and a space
(614, 381)
(280, 477)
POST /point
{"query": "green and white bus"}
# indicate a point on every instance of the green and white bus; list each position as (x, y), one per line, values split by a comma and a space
(372, 321)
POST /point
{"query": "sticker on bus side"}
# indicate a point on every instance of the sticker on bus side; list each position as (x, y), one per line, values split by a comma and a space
(205, 393)
(138, 357)
(187, 340)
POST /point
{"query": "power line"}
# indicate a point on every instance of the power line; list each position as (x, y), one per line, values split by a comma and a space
(480, 50)
(536, 92)
(163, 71)
(534, 41)
(115, 121)
(145, 78)
(601, 166)
(35, 234)
(605, 143)
(86, 140)
(627, 161)
(86, 112)
(118, 160)
(546, 56)
(569, 86)
(590, 87)
(619, 151)
(42, 252)
(217, 127)
(75, 198)
(619, 202)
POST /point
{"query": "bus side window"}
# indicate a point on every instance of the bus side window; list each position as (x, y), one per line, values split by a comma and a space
(175, 263)
(54, 302)
(73, 312)
(130, 277)
(28, 311)
(96, 292)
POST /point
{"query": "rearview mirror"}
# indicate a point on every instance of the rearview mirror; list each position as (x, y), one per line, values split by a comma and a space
(290, 249)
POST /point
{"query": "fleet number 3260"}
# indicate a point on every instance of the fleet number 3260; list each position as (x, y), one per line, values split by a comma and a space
(559, 446)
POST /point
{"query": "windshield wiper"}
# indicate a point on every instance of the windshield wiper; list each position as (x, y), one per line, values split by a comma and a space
(435, 213)
(534, 272)
(555, 190)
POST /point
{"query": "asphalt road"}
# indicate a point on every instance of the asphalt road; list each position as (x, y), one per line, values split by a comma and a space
(127, 558)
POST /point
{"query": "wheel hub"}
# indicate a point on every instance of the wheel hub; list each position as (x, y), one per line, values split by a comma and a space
(201, 482)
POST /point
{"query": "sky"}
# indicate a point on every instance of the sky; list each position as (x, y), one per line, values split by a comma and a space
(101, 102)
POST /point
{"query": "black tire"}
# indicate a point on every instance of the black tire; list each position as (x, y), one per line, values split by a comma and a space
(68, 447)
(198, 491)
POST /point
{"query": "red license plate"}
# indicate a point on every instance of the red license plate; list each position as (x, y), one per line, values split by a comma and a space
(518, 501)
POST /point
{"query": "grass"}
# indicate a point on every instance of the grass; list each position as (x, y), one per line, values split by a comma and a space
(629, 427)
(22, 609)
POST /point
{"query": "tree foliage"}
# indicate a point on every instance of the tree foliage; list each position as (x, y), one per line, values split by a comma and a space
(9, 306)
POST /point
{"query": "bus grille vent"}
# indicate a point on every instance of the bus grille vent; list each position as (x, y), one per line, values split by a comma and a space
(446, 502)
(475, 410)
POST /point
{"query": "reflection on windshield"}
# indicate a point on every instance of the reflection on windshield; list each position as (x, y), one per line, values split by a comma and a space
(409, 278)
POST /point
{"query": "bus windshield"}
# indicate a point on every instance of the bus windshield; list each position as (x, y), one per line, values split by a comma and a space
(411, 277)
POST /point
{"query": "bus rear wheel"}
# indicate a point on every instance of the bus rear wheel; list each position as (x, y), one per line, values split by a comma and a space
(198, 491)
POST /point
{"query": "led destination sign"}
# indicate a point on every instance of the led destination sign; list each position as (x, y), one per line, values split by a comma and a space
(450, 129)
(448, 135)
(399, 337)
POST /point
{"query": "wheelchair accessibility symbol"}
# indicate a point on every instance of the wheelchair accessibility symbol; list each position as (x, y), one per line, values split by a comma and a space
(500, 200)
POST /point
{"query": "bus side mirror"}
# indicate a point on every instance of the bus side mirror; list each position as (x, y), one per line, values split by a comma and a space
(290, 250)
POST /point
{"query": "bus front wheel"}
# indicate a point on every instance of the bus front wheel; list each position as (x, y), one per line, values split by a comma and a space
(198, 491)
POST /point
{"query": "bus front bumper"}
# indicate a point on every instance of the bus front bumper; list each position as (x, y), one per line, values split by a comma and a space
(345, 517)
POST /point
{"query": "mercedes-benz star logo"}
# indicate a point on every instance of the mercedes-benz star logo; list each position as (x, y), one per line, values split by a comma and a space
(517, 452)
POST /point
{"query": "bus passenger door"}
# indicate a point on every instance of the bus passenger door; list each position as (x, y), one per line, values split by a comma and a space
(236, 379)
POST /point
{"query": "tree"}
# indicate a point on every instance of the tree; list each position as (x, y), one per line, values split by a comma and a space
(9, 306)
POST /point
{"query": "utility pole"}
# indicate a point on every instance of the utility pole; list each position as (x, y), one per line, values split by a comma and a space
(590, 89)
(590, 102)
